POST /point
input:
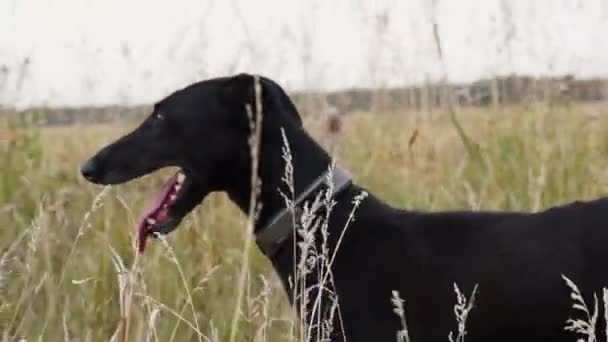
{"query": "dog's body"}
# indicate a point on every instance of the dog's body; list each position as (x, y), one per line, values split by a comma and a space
(516, 259)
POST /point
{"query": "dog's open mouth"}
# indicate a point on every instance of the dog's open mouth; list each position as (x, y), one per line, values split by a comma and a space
(158, 215)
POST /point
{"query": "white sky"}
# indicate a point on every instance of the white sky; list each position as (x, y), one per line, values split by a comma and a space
(99, 52)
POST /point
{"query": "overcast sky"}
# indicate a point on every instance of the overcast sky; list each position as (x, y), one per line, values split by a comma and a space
(99, 52)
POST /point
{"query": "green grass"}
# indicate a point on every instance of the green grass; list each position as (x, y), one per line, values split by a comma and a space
(58, 280)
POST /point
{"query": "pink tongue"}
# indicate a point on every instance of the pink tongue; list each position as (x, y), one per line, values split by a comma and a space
(156, 212)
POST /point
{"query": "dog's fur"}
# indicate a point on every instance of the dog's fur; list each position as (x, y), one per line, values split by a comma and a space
(516, 258)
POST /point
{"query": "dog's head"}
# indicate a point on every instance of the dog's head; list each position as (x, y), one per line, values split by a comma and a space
(203, 129)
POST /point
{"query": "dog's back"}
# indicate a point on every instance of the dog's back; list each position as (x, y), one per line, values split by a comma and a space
(516, 260)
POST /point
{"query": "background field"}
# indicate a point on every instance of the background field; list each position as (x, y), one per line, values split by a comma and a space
(58, 280)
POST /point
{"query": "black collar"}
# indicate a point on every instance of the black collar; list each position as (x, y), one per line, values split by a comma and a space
(270, 237)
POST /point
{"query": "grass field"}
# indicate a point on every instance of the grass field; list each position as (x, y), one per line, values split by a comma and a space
(62, 239)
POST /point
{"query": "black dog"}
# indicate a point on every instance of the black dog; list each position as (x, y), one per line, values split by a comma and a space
(517, 259)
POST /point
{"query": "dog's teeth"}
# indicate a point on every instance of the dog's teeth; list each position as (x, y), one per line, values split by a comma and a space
(165, 206)
(173, 197)
(181, 178)
(177, 187)
(151, 221)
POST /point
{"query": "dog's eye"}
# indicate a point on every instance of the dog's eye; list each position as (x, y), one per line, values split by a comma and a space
(159, 116)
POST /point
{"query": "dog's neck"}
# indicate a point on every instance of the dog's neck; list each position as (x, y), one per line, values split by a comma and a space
(309, 161)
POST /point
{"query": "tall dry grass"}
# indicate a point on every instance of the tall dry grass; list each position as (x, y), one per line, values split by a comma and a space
(67, 266)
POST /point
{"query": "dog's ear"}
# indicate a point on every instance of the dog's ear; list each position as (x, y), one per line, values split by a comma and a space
(241, 91)
(276, 97)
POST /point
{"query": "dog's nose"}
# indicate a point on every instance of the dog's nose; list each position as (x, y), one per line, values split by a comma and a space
(88, 169)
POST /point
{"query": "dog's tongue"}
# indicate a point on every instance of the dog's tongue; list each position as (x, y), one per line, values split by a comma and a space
(158, 212)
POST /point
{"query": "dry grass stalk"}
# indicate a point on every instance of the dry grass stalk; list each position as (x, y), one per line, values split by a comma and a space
(585, 326)
(462, 308)
(255, 125)
(399, 310)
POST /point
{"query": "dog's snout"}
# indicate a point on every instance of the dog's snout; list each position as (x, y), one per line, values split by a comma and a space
(89, 169)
